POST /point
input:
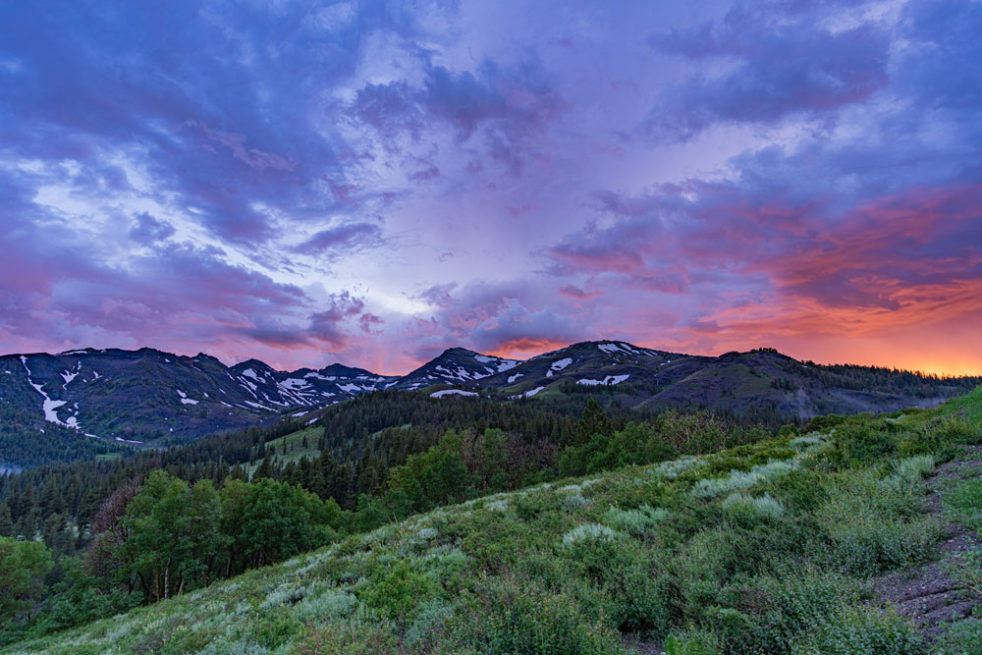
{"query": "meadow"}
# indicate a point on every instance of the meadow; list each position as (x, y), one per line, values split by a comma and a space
(779, 546)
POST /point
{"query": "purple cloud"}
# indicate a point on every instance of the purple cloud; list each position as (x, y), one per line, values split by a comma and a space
(372, 182)
(344, 237)
(148, 230)
(762, 62)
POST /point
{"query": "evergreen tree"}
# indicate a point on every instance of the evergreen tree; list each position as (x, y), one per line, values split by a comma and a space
(593, 422)
(6, 523)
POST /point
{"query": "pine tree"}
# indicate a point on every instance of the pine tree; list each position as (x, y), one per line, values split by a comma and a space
(593, 422)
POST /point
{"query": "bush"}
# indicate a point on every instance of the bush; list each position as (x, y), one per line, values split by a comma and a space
(859, 444)
(397, 590)
(925, 441)
(589, 532)
(520, 618)
(864, 630)
(225, 646)
(768, 613)
(963, 503)
(696, 642)
(353, 638)
(429, 624)
(639, 522)
(875, 525)
(908, 473)
(750, 509)
(704, 561)
(962, 638)
(960, 430)
(742, 480)
(802, 489)
(642, 596)
(332, 604)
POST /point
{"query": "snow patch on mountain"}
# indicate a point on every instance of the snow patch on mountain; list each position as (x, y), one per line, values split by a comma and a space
(532, 392)
(512, 378)
(451, 392)
(49, 406)
(608, 381)
(68, 376)
(619, 347)
(560, 364)
(184, 398)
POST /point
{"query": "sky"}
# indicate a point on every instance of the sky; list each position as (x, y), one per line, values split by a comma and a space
(372, 182)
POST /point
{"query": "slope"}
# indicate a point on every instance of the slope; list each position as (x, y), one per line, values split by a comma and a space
(56, 406)
(764, 548)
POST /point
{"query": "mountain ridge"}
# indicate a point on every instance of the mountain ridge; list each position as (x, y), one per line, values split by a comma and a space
(148, 397)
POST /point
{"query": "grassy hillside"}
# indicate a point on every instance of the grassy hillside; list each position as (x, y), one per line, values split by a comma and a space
(785, 546)
(294, 446)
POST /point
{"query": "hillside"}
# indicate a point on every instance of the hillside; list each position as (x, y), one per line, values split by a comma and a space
(834, 541)
(86, 403)
(107, 401)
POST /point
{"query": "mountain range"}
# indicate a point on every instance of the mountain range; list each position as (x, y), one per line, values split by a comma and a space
(149, 397)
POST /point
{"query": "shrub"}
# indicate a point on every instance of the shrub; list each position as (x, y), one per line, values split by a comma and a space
(520, 618)
(224, 646)
(640, 522)
(801, 489)
(397, 590)
(588, 532)
(861, 629)
(429, 624)
(707, 558)
(963, 503)
(860, 444)
(772, 454)
(875, 525)
(351, 638)
(695, 642)
(745, 507)
(768, 613)
(742, 480)
(925, 441)
(960, 429)
(962, 638)
(641, 595)
(331, 605)
(801, 444)
(672, 469)
(908, 473)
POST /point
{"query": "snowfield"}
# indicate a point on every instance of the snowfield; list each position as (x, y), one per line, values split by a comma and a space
(451, 392)
(608, 381)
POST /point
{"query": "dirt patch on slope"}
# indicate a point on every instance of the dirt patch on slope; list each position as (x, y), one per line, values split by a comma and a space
(929, 594)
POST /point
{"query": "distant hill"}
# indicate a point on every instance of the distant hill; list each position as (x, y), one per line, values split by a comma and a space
(86, 403)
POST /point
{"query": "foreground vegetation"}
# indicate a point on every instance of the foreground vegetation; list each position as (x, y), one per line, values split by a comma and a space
(769, 547)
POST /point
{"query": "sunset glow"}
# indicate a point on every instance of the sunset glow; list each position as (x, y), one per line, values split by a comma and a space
(372, 183)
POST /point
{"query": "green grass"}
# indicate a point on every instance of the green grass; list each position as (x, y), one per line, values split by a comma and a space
(765, 548)
(963, 502)
(290, 448)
